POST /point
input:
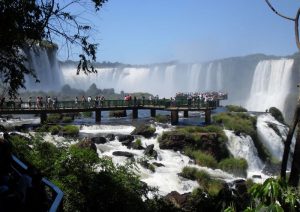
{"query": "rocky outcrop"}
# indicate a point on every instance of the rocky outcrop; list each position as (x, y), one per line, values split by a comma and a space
(124, 154)
(110, 137)
(149, 151)
(98, 140)
(174, 140)
(126, 139)
(86, 143)
(178, 200)
(158, 164)
(144, 130)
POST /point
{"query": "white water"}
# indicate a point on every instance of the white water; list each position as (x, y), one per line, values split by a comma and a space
(243, 147)
(44, 62)
(271, 85)
(165, 178)
(272, 141)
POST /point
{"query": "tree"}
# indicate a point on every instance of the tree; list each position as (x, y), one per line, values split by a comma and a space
(25, 23)
(295, 170)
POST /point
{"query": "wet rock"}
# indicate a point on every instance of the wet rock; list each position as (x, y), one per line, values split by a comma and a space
(147, 165)
(86, 143)
(174, 140)
(144, 130)
(110, 137)
(98, 140)
(126, 140)
(158, 164)
(178, 200)
(124, 154)
(149, 151)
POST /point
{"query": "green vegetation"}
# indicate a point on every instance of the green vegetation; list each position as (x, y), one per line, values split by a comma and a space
(201, 158)
(236, 166)
(145, 130)
(67, 119)
(70, 130)
(243, 123)
(212, 186)
(86, 114)
(117, 113)
(55, 129)
(73, 169)
(162, 118)
(54, 118)
(276, 113)
(137, 144)
(235, 108)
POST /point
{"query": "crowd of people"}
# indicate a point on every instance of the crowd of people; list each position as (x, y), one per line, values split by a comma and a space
(202, 96)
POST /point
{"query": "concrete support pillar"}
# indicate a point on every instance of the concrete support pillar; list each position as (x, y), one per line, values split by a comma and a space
(207, 116)
(185, 113)
(153, 112)
(98, 116)
(174, 117)
(43, 118)
(135, 113)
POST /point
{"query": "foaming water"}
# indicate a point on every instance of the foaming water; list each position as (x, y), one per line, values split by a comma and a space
(243, 147)
(105, 129)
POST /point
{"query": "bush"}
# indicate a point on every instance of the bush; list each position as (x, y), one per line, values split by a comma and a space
(236, 166)
(137, 144)
(67, 119)
(54, 118)
(54, 130)
(87, 114)
(235, 108)
(276, 113)
(162, 119)
(201, 158)
(189, 173)
(70, 130)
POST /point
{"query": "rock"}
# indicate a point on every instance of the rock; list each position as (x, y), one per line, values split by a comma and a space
(147, 165)
(174, 140)
(149, 151)
(144, 130)
(110, 137)
(86, 143)
(118, 113)
(98, 140)
(158, 164)
(178, 200)
(272, 169)
(126, 140)
(124, 154)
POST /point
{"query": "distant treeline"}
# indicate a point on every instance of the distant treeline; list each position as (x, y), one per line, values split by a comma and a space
(69, 93)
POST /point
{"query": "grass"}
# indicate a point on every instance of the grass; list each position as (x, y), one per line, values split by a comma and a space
(54, 118)
(162, 119)
(54, 130)
(235, 108)
(87, 114)
(70, 130)
(201, 158)
(67, 119)
(236, 166)
(137, 144)
(209, 184)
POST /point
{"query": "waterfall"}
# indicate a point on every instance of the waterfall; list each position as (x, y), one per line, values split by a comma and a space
(271, 84)
(243, 147)
(45, 64)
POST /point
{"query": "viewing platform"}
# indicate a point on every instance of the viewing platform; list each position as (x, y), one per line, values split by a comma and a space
(174, 106)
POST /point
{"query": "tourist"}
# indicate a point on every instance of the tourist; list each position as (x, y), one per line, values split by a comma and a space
(76, 101)
(55, 103)
(29, 102)
(49, 100)
(20, 102)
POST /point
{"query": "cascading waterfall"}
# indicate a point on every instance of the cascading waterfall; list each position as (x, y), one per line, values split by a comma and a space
(243, 147)
(271, 84)
(44, 62)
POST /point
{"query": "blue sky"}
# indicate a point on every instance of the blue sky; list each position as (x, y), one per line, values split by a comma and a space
(150, 31)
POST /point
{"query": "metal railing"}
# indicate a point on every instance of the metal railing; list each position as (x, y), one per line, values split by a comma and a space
(57, 195)
(159, 103)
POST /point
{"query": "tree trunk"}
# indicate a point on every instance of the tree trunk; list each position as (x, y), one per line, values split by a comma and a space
(295, 171)
(287, 144)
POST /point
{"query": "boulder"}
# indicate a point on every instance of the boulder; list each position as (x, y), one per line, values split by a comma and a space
(144, 130)
(124, 154)
(178, 200)
(147, 165)
(98, 140)
(126, 140)
(174, 140)
(149, 151)
(158, 164)
(86, 143)
(110, 137)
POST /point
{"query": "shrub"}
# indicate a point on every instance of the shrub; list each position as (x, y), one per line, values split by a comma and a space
(54, 118)
(276, 113)
(87, 114)
(235, 108)
(162, 119)
(70, 130)
(236, 166)
(201, 158)
(54, 130)
(189, 173)
(67, 119)
(137, 144)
